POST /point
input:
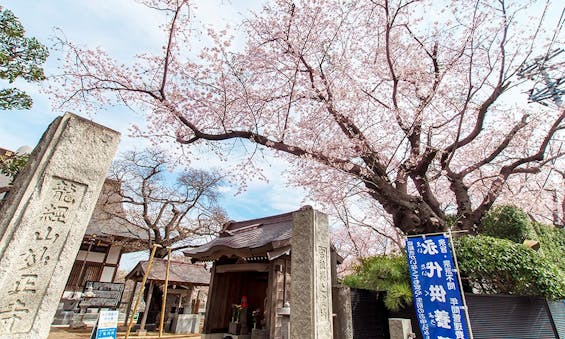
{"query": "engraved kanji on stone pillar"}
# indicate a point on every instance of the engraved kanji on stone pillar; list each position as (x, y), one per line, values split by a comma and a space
(13, 313)
(43, 220)
(40, 254)
(310, 298)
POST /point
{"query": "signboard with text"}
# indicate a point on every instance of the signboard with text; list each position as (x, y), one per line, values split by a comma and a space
(437, 294)
(107, 325)
(106, 294)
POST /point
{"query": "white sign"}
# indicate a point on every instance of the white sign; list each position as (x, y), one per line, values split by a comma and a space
(107, 325)
(108, 319)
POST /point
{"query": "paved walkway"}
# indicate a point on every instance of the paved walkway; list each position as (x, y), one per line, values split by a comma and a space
(67, 333)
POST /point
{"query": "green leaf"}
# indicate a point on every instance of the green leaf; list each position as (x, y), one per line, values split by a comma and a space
(20, 57)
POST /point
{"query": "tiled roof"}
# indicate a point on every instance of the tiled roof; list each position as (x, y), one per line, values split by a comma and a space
(180, 273)
(248, 238)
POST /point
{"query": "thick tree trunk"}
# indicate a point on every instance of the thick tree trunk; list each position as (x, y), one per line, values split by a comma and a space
(161, 252)
(416, 217)
(411, 214)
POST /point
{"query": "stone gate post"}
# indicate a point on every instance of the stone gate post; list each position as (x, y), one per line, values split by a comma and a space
(43, 220)
(311, 288)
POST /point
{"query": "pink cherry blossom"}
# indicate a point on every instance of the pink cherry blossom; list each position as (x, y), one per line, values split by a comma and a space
(409, 108)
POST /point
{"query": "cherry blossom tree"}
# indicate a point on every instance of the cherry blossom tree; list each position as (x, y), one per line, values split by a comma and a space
(541, 195)
(353, 240)
(413, 107)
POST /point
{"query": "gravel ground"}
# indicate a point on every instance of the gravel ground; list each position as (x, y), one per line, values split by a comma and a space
(67, 333)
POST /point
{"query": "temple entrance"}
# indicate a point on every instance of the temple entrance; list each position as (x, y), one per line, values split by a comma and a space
(253, 258)
(231, 287)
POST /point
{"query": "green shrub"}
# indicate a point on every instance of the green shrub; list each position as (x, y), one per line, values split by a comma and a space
(500, 266)
(552, 243)
(507, 222)
(384, 273)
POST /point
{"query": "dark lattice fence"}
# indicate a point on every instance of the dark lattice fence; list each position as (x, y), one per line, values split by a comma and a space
(369, 315)
(557, 311)
(494, 316)
(491, 316)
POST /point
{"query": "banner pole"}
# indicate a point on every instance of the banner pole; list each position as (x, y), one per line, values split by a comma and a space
(460, 282)
(435, 233)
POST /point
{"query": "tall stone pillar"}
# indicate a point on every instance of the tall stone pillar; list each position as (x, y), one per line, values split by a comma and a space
(44, 218)
(310, 291)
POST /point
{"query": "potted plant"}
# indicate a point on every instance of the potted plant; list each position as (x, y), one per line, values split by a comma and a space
(234, 326)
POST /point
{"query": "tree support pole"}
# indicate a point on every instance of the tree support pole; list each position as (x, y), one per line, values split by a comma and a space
(163, 304)
(155, 246)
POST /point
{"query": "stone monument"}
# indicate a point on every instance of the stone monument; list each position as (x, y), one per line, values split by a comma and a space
(400, 328)
(43, 220)
(310, 293)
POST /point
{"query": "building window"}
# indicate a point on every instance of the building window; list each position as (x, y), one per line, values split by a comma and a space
(93, 248)
(91, 272)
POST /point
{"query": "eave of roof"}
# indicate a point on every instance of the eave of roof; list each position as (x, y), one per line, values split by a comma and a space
(261, 237)
(247, 239)
(180, 273)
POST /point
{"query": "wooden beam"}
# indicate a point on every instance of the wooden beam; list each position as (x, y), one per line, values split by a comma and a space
(254, 267)
(179, 292)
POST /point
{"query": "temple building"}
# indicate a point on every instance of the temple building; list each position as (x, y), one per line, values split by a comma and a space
(186, 294)
(250, 289)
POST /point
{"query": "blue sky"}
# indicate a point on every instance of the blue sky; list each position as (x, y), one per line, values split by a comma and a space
(124, 28)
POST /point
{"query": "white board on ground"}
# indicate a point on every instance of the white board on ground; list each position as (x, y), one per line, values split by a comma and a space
(106, 326)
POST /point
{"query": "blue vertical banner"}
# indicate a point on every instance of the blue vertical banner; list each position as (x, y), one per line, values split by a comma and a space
(435, 286)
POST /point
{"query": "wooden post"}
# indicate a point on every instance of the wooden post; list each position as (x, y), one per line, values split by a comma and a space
(196, 302)
(147, 305)
(155, 246)
(163, 304)
(78, 282)
(210, 301)
(128, 309)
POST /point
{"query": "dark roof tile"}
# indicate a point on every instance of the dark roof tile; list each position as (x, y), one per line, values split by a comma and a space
(263, 233)
(181, 273)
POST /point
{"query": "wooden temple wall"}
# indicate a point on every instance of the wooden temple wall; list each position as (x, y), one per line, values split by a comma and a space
(279, 295)
(218, 309)
(230, 282)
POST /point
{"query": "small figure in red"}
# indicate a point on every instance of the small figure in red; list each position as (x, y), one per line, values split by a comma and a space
(244, 302)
